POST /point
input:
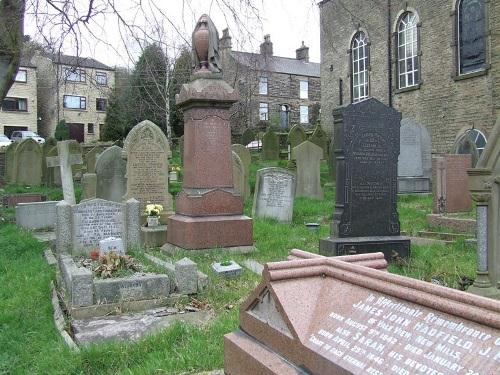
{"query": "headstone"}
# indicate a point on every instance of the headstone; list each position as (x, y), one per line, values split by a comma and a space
(75, 148)
(186, 276)
(29, 163)
(53, 173)
(327, 316)
(484, 182)
(12, 200)
(89, 185)
(46, 147)
(450, 192)
(65, 160)
(270, 146)
(320, 138)
(80, 227)
(308, 158)
(247, 137)
(111, 244)
(11, 162)
(366, 219)
(146, 150)
(36, 215)
(296, 136)
(414, 163)
(331, 161)
(246, 158)
(238, 175)
(208, 213)
(274, 194)
(110, 170)
(91, 158)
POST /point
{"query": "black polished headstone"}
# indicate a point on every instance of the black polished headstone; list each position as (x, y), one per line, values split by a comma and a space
(366, 147)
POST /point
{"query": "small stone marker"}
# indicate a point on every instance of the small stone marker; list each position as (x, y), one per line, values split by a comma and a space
(270, 146)
(238, 175)
(111, 244)
(296, 136)
(246, 158)
(274, 194)
(320, 138)
(328, 316)
(308, 158)
(186, 276)
(110, 170)
(230, 270)
(29, 163)
(450, 184)
(65, 160)
(247, 137)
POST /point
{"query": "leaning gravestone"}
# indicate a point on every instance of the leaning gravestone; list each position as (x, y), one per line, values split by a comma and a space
(366, 219)
(322, 316)
(11, 162)
(246, 159)
(308, 157)
(29, 163)
(146, 150)
(247, 137)
(238, 175)
(110, 170)
(274, 194)
(414, 164)
(270, 146)
(296, 136)
(91, 158)
(320, 138)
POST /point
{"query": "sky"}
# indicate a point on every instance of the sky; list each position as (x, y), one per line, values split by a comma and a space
(113, 40)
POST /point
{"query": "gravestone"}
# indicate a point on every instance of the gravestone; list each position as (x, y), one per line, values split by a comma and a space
(11, 162)
(208, 212)
(36, 215)
(450, 192)
(320, 138)
(80, 227)
(308, 157)
(366, 136)
(270, 146)
(238, 175)
(274, 194)
(322, 316)
(53, 173)
(110, 170)
(146, 150)
(50, 143)
(247, 137)
(484, 181)
(75, 148)
(414, 163)
(246, 158)
(29, 163)
(296, 136)
(331, 161)
(91, 158)
(89, 186)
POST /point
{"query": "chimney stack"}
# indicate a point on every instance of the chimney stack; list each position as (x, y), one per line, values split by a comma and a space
(302, 53)
(266, 48)
(225, 41)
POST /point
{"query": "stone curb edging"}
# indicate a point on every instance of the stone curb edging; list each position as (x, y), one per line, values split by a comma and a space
(59, 320)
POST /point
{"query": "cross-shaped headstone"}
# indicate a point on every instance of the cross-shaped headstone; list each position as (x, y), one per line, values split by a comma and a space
(65, 160)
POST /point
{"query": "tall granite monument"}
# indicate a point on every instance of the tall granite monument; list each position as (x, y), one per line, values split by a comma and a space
(209, 213)
(366, 220)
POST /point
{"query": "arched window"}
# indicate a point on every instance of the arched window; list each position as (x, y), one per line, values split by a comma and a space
(359, 70)
(475, 136)
(408, 59)
(471, 22)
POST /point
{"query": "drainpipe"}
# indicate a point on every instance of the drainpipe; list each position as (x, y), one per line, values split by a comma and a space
(389, 52)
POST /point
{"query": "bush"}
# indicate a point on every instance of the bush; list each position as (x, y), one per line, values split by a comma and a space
(62, 131)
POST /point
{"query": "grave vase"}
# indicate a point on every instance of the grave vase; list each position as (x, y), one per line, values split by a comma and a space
(153, 221)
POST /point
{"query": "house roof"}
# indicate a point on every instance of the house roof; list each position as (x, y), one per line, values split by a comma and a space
(277, 64)
(78, 61)
(26, 62)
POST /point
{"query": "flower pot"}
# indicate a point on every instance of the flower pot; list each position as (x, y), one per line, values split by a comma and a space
(172, 176)
(153, 221)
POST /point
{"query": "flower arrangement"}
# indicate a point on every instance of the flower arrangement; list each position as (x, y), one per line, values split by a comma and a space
(154, 209)
(175, 168)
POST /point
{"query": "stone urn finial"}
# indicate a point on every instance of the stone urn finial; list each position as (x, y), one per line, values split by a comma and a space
(205, 46)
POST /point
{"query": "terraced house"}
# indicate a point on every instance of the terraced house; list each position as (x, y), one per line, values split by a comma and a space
(438, 62)
(274, 90)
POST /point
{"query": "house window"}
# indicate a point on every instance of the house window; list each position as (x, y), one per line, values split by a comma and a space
(263, 86)
(304, 90)
(100, 104)
(408, 63)
(304, 114)
(90, 128)
(74, 75)
(359, 62)
(101, 78)
(471, 36)
(21, 76)
(263, 111)
(74, 102)
(15, 105)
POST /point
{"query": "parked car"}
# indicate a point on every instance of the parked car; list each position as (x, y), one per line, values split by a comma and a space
(254, 145)
(20, 135)
(4, 141)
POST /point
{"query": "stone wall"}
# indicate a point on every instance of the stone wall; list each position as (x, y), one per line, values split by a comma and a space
(445, 105)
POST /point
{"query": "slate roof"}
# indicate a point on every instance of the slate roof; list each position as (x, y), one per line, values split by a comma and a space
(78, 61)
(277, 64)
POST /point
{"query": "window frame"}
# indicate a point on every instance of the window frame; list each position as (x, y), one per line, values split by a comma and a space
(84, 101)
(97, 100)
(263, 106)
(352, 64)
(25, 75)
(90, 125)
(263, 81)
(101, 74)
(18, 100)
(301, 114)
(306, 90)
(82, 74)
(416, 73)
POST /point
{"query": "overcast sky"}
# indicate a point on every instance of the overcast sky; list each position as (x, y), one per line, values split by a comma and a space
(289, 22)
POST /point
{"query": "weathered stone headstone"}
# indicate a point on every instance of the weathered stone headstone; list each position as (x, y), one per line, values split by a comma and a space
(46, 147)
(238, 175)
(366, 219)
(331, 161)
(110, 170)
(91, 158)
(247, 137)
(414, 163)
(467, 146)
(146, 150)
(274, 194)
(11, 162)
(484, 181)
(450, 184)
(320, 138)
(36, 215)
(29, 163)
(296, 136)
(329, 316)
(270, 146)
(53, 173)
(89, 185)
(75, 148)
(307, 156)
(246, 158)
(80, 227)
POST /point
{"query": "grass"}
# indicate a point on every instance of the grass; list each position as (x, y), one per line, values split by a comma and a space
(29, 342)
